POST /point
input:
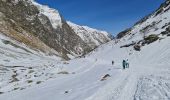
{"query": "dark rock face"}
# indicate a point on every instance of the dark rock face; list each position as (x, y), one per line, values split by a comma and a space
(137, 47)
(151, 38)
(27, 17)
(161, 8)
(123, 33)
(168, 29)
(166, 32)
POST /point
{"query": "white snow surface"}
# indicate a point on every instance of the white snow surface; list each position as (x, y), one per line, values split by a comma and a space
(148, 77)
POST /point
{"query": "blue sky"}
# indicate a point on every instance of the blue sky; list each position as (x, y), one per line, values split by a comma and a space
(110, 15)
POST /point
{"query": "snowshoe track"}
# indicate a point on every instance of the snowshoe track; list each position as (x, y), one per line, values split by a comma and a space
(153, 88)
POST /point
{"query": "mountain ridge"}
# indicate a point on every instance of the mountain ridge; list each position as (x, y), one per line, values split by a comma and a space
(41, 23)
(158, 20)
(91, 36)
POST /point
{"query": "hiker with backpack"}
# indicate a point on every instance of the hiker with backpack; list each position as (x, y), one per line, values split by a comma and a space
(113, 62)
(127, 63)
(124, 64)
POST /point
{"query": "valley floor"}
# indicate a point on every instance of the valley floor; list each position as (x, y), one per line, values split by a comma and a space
(148, 77)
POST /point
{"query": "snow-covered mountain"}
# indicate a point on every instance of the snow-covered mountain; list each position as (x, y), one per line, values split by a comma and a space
(91, 36)
(41, 28)
(157, 23)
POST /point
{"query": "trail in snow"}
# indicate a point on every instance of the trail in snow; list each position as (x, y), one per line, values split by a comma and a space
(133, 83)
(144, 80)
(144, 83)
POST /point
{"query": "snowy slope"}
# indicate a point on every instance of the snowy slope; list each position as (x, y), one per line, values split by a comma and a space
(153, 24)
(14, 53)
(91, 36)
(19, 58)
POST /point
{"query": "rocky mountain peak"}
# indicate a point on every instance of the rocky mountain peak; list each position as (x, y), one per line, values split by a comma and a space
(91, 36)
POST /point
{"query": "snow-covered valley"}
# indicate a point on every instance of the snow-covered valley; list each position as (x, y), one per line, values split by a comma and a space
(148, 77)
(34, 69)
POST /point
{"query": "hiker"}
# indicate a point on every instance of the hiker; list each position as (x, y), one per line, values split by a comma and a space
(124, 64)
(113, 62)
(127, 63)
